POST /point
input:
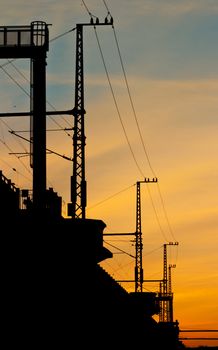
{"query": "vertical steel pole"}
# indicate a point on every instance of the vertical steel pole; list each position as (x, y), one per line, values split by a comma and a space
(78, 183)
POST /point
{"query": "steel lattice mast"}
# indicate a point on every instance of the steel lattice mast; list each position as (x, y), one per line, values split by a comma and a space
(170, 291)
(78, 182)
(77, 207)
(138, 245)
(166, 296)
(138, 238)
(165, 279)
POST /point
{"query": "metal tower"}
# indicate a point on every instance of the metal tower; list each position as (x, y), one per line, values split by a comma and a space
(77, 207)
(170, 291)
(138, 237)
(165, 296)
(170, 277)
(78, 182)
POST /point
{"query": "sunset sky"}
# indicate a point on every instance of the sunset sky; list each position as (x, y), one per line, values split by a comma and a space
(152, 113)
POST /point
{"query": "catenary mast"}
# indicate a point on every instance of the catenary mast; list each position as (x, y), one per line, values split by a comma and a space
(77, 207)
(138, 237)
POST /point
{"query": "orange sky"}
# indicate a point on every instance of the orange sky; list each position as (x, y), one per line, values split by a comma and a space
(169, 51)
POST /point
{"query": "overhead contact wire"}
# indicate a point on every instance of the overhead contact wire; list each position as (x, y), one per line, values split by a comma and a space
(116, 105)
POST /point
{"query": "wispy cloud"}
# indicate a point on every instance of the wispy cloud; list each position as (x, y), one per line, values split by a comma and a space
(176, 7)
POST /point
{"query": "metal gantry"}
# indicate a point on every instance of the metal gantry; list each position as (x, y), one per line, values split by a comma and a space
(32, 42)
(77, 207)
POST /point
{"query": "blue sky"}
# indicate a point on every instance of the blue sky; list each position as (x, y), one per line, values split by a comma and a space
(170, 54)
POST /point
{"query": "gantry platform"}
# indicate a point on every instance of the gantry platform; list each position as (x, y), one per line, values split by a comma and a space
(23, 41)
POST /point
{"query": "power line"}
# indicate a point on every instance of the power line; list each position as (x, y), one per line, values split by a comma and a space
(123, 251)
(21, 144)
(4, 70)
(152, 251)
(47, 149)
(110, 197)
(27, 80)
(11, 62)
(116, 105)
(131, 102)
(138, 127)
(10, 150)
(86, 7)
(136, 120)
(60, 35)
(111, 88)
(106, 7)
(28, 94)
(155, 211)
(7, 146)
(140, 134)
(12, 168)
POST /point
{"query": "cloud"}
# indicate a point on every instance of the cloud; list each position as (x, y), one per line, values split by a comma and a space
(176, 7)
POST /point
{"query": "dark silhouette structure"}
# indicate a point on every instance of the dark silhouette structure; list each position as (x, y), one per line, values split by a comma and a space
(32, 42)
(54, 291)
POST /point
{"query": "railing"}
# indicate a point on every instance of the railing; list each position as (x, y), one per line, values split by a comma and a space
(34, 35)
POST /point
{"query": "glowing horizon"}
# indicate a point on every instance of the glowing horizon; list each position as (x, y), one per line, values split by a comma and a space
(170, 55)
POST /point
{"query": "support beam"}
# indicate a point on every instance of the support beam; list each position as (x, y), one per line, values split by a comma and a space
(27, 114)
